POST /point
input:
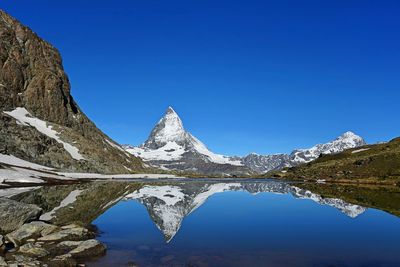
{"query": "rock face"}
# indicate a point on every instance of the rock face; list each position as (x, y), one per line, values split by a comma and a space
(171, 147)
(13, 214)
(39, 119)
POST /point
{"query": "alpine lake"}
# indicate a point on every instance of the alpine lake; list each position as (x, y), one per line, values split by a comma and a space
(206, 222)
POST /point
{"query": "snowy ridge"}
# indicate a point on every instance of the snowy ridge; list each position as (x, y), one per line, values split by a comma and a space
(345, 141)
(24, 118)
(171, 147)
(266, 163)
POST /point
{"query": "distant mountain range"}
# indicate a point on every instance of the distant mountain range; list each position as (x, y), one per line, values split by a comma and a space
(171, 147)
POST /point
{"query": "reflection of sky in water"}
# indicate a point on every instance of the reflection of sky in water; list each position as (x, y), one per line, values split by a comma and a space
(240, 229)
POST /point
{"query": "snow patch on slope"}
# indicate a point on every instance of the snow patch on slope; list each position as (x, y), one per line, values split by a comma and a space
(12, 160)
(24, 118)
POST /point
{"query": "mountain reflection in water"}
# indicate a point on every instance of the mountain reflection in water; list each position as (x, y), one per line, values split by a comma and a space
(168, 205)
(232, 223)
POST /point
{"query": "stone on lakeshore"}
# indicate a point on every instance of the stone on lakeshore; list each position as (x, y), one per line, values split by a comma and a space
(31, 230)
(2, 262)
(65, 260)
(14, 214)
(88, 248)
(33, 250)
(72, 234)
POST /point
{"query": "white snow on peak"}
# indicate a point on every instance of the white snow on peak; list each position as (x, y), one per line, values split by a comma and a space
(169, 141)
(345, 141)
(24, 118)
(216, 158)
(171, 128)
(170, 151)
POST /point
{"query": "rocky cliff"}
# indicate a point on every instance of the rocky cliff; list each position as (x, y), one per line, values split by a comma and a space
(39, 119)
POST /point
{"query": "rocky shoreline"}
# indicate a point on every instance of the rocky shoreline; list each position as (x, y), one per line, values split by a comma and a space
(27, 241)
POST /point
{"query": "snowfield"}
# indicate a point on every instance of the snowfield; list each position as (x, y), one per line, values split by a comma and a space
(24, 118)
(16, 170)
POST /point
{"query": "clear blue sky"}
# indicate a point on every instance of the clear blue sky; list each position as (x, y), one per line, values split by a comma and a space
(262, 76)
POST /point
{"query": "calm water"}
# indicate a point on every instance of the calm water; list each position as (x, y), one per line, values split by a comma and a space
(244, 224)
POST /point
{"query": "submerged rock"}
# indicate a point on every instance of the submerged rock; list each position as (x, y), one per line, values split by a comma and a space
(14, 214)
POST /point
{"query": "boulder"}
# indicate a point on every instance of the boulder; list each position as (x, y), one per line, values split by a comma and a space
(22, 260)
(31, 231)
(14, 214)
(33, 250)
(65, 260)
(72, 234)
(3, 261)
(88, 248)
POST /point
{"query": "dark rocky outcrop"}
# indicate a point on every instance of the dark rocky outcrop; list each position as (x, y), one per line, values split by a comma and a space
(32, 77)
(14, 214)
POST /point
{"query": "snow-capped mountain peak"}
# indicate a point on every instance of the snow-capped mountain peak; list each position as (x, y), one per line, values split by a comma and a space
(170, 146)
(168, 129)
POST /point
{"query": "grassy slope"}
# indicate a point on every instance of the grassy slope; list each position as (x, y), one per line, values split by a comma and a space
(378, 164)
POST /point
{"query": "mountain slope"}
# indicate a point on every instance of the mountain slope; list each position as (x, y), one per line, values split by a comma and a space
(171, 147)
(39, 119)
(378, 163)
(266, 163)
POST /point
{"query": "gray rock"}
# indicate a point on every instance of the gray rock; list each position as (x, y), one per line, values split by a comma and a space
(65, 260)
(33, 250)
(22, 260)
(31, 231)
(1, 241)
(14, 214)
(3, 261)
(88, 248)
(71, 234)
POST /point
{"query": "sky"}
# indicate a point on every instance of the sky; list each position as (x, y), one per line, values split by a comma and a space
(244, 76)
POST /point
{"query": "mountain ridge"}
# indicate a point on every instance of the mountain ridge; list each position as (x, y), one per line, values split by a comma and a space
(39, 119)
(170, 147)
